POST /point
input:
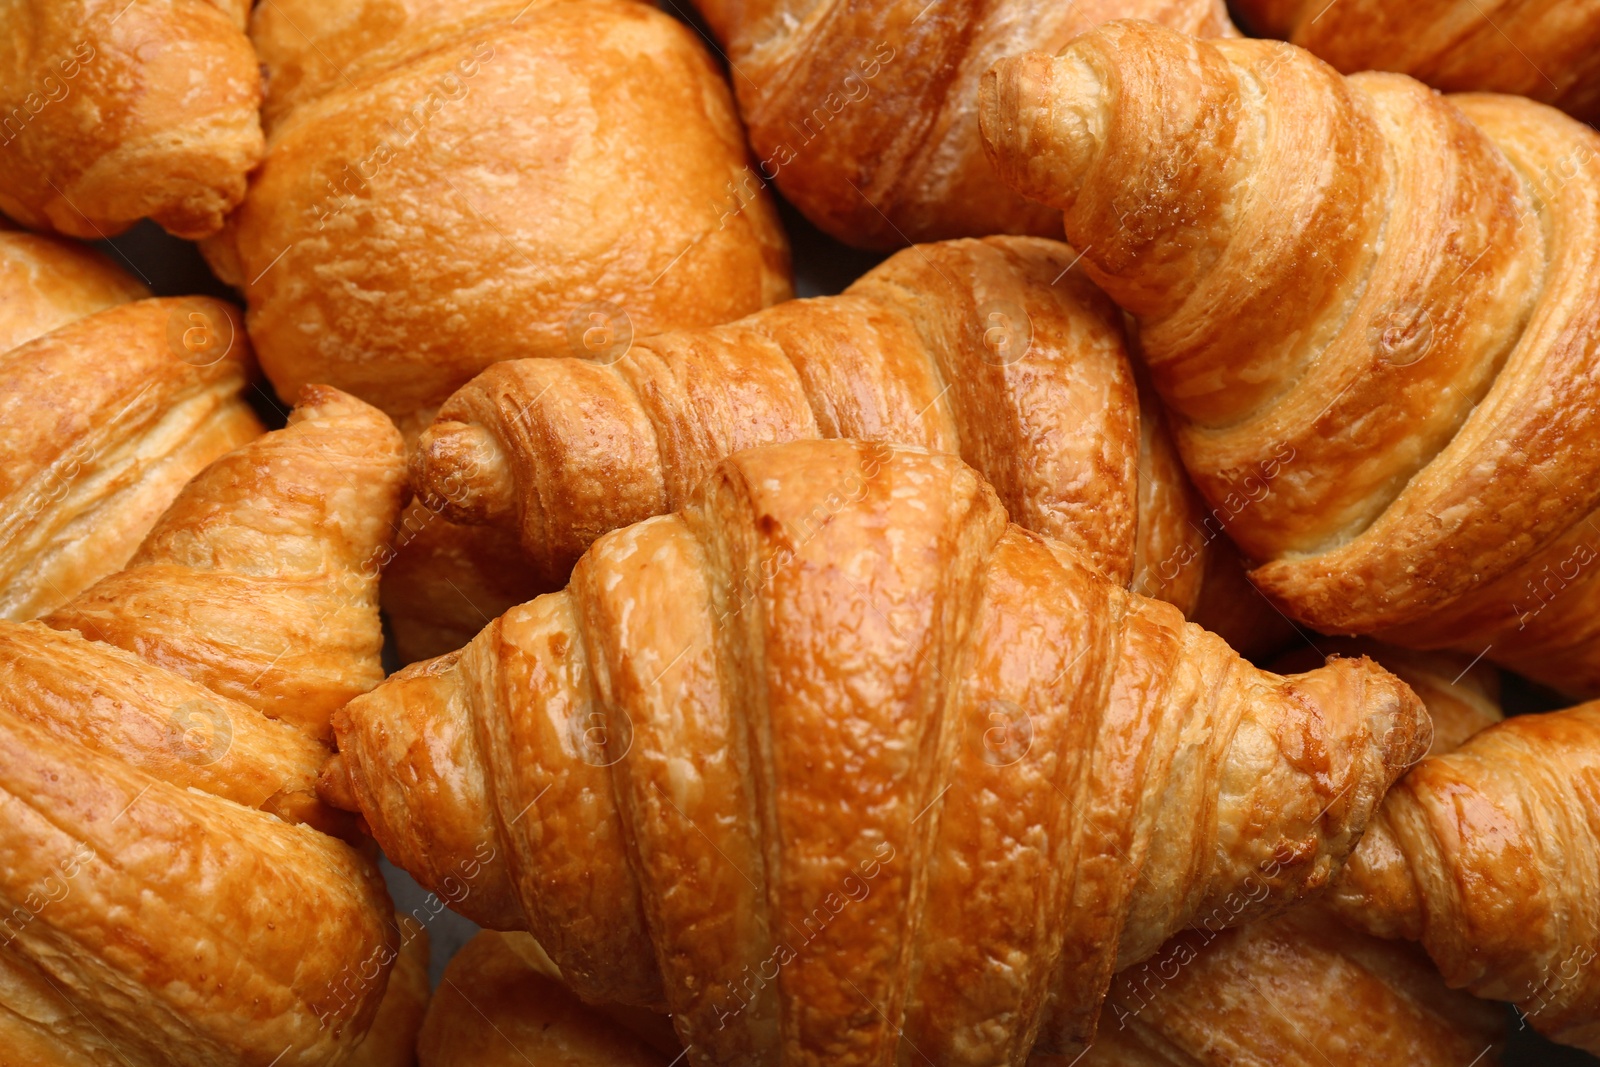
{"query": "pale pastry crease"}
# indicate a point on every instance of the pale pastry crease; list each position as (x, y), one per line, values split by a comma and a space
(1545, 49)
(1369, 308)
(113, 111)
(837, 758)
(998, 350)
(168, 893)
(109, 404)
(865, 114)
(1490, 857)
(447, 185)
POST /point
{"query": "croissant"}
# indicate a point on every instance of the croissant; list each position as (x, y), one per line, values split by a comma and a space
(864, 115)
(109, 403)
(1545, 49)
(1303, 987)
(975, 776)
(113, 111)
(165, 894)
(1490, 857)
(1371, 311)
(507, 981)
(447, 185)
(996, 349)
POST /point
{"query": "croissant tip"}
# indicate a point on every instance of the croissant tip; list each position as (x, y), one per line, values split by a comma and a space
(334, 787)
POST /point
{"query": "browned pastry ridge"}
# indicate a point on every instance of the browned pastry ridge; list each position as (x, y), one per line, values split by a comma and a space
(1545, 49)
(1490, 856)
(1303, 987)
(996, 349)
(451, 184)
(166, 896)
(1371, 310)
(837, 758)
(865, 114)
(113, 111)
(109, 404)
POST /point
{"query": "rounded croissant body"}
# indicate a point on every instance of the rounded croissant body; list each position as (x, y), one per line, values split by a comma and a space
(1371, 309)
(836, 762)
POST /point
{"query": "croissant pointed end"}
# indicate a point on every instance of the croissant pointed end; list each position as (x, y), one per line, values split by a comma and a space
(1043, 119)
(460, 471)
(333, 785)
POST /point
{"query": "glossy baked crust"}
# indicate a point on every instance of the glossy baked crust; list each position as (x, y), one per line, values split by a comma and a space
(478, 186)
(1490, 856)
(1545, 49)
(1371, 310)
(113, 111)
(839, 713)
(499, 1006)
(108, 404)
(167, 895)
(865, 114)
(218, 593)
(993, 349)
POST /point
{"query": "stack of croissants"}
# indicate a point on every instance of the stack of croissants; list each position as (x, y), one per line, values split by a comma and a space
(1080, 640)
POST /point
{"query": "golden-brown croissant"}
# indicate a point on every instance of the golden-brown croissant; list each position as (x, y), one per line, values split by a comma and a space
(501, 1005)
(1545, 49)
(112, 111)
(1371, 309)
(109, 403)
(1303, 987)
(261, 580)
(447, 185)
(837, 754)
(865, 116)
(165, 897)
(996, 349)
(1490, 856)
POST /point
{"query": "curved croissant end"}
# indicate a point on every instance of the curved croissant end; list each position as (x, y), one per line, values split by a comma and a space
(117, 112)
(1357, 1000)
(837, 754)
(995, 349)
(108, 405)
(1364, 302)
(1490, 856)
(261, 580)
